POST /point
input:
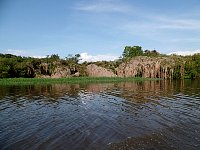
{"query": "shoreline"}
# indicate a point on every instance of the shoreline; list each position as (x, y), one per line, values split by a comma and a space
(71, 80)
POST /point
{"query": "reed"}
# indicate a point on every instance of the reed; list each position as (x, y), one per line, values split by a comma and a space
(26, 81)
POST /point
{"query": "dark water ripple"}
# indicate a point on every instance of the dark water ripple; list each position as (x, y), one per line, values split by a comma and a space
(138, 115)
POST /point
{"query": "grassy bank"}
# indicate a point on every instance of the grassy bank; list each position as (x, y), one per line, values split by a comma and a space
(26, 81)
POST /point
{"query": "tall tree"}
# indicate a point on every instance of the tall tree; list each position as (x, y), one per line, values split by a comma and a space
(130, 52)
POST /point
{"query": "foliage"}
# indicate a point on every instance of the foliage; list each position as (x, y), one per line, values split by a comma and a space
(12, 66)
(130, 52)
(151, 53)
(192, 66)
(72, 62)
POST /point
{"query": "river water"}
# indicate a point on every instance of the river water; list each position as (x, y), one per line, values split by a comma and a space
(126, 115)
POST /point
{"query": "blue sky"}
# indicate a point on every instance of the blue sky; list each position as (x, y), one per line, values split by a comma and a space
(98, 28)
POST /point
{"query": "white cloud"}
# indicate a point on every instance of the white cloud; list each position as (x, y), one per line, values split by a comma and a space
(92, 58)
(185, 53)
(174, 23)
(190, 40)
(103, 6)
(152, 25)
(22, 53)
(16, 52)
(38, 56)
(157, 24)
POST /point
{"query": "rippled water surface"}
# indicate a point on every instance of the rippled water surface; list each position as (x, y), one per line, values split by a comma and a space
(125, 115)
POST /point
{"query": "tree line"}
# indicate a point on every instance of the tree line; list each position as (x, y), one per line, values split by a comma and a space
(12, 66)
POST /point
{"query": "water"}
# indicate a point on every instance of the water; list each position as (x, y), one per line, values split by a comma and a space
(125, 115)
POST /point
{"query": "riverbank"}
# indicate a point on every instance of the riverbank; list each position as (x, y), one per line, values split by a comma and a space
(145, 66)
(26, 81)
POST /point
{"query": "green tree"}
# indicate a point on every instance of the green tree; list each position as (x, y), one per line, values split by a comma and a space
(72, 62)
(151, 53)
(54, 57)
(4, 67)
(130, 52)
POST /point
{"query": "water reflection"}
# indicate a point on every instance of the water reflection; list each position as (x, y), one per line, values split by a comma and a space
(138, 92)
(134, 115)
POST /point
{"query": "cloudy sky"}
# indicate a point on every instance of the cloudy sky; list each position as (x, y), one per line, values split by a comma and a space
(98, 29)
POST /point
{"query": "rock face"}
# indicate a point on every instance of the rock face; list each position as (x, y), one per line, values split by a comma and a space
(147, 67)
(96, 71)
(141, 66)
(61, 72)
(53, 71)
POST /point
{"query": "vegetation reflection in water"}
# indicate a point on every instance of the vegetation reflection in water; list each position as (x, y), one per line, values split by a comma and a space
(150, 114)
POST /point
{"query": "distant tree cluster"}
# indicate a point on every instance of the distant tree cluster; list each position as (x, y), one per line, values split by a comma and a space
(133, 51)
(12, 66)
(15, 66)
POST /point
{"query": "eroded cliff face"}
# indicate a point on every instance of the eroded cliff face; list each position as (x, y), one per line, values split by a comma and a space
(93, 70)
(55, 70)
(61, 72)
(142, 66)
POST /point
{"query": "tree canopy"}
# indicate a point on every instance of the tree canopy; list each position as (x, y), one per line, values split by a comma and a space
(132, 51)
